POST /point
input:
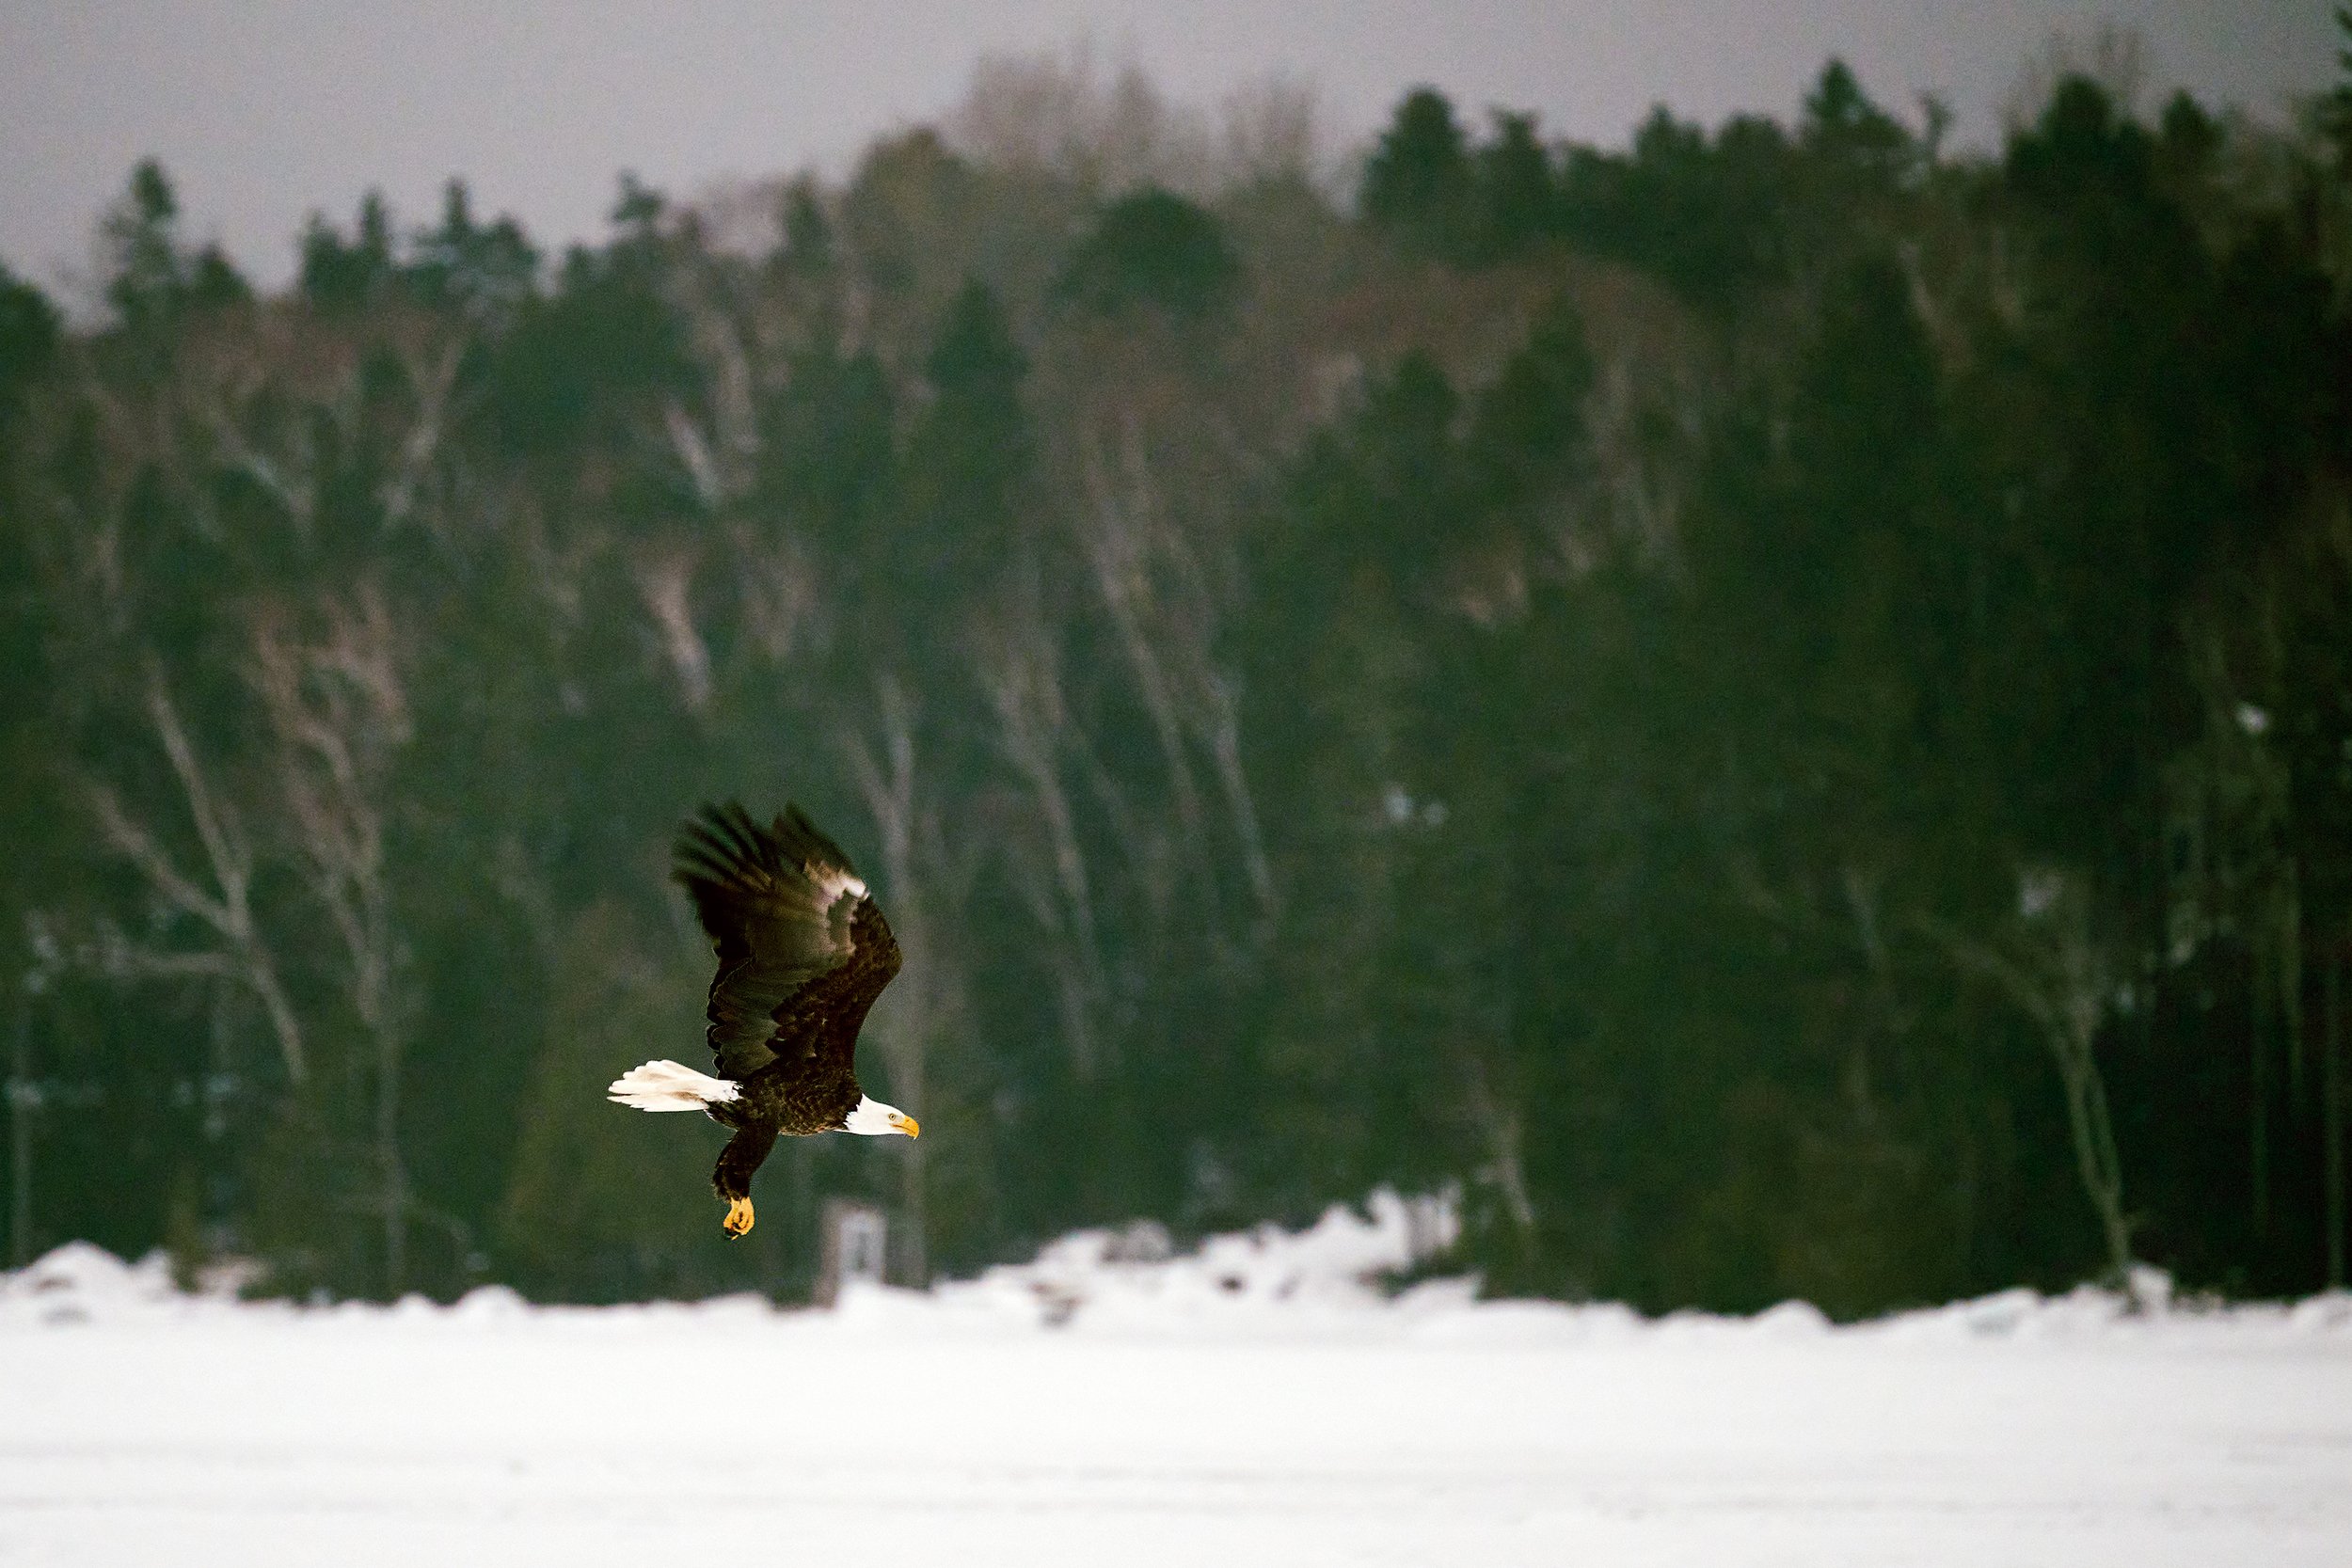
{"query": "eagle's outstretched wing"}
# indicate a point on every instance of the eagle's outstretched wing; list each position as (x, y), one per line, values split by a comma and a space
(803, 951)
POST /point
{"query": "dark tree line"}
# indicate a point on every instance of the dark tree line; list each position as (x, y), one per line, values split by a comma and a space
(1772, 703)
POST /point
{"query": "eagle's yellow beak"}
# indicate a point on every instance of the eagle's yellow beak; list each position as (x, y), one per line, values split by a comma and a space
(907, 1124)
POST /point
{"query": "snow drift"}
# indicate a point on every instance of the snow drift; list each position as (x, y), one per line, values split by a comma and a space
(1336, 1276)
(1269, 1397)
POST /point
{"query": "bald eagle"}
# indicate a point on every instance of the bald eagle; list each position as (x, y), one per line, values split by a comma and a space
(802, 953)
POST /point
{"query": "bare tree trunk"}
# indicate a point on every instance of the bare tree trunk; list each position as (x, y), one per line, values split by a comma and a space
(887, 784)
(241, 954)
(1118, 550)
(24, 1100)
(2290, 946)
(2278, 986)
(2275, 836)
(1023, 679)
(423, 446)
(2258, 1112)
(2097, 1163)
(1153, 583)
(339, 710)
(2244, 802)
(1861, 888)
(391, 1171)
(1224, 745)
(693, 454)
(666, 583)
(2332, 1117)
(2058, 980)
(1501, 1130)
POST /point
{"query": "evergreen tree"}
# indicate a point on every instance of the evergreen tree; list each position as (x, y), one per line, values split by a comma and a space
(1417, 184)
(29, 334)
(1153, 249)
(342, 276)
(1518, 203)
(483, 271)
(961, 483)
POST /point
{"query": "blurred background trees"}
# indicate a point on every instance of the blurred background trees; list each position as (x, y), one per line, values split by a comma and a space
(1770, 703)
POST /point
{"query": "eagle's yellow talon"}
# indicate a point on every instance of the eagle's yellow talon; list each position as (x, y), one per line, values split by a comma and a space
(738, 1221)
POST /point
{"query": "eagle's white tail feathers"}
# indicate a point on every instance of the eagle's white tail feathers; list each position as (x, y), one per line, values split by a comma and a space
(669, 1086)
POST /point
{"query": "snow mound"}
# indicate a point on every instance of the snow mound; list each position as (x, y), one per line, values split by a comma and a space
(1132, 1280)
(80, 1283)
(1345, 1276)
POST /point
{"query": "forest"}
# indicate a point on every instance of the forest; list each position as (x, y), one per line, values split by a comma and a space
(1771, 706)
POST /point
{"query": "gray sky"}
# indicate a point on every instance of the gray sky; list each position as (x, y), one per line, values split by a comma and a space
(263, 110)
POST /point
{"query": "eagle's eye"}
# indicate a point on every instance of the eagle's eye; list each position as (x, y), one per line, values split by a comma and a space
(876, 1119)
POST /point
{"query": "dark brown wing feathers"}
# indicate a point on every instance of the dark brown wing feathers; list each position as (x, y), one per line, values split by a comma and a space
(802, 950)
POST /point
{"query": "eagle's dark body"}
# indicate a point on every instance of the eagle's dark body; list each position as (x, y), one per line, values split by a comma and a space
(803, 954)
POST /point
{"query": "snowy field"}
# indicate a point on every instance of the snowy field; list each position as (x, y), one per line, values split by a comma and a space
(1251, 1404)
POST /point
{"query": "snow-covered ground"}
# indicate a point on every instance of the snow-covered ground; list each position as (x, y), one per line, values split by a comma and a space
(1253, 1403)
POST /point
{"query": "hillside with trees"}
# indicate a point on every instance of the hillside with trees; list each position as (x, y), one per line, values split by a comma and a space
(1774, 705)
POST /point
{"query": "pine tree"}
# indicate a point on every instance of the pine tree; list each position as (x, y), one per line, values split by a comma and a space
(1418, 184)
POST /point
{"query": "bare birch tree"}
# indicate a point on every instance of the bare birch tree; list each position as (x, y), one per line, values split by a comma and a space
(665, 580)
(1153, 584)
(432, 371)
(218, 896)
(1020, 669)
(338, 711)
(2048, 965)
(923, 882)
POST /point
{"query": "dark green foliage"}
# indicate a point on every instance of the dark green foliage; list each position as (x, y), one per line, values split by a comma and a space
(349, 276)
(28, 336)
(1844, 131)
(1708, 217)
(1526, 439)
(142, 240)
(1417, 186)
(807, 232)
(1433, 193)
(1153, 249)
(1663, 718)
(151, 278)
(957, 510)
(590, 362)
(481, 270)
(829, 450)
(213, 282)
(1519, 200)
(2336, 108)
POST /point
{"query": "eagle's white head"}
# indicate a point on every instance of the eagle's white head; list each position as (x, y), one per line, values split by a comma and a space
(874, 1118)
